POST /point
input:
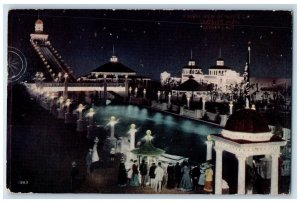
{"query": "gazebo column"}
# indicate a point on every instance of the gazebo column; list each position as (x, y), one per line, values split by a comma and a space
(209, 144)
(218, 176)
(241, 174)
(105, 89)
(274, 174)
(126, 87)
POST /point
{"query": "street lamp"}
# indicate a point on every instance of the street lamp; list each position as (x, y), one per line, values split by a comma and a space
(144, 93)
(61, 108)
(135, 92)
(112, 124)
(230, 107)
(90, 127)
(79, 126)
(67, 114)
(66, 85)
(132, 131)
(158, 96)
(169, 99)
(188, 100)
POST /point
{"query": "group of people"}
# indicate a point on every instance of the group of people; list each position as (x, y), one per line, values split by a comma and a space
(92, 157)
(185, 178)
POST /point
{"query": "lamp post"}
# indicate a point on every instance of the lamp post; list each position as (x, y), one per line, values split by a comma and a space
(52, 97)
(132, 132)
(169, 99)
(203, 106)
(59, 76)
(158, 96)
(230, 107)
(135, 91)
(65, 94)
(126, 87)
(61, 114)
(188, 98)
(90, 127)
(112, 122)
(209, 144)
(67, 114)
(144, 93)
(79, 126)
(130, 90)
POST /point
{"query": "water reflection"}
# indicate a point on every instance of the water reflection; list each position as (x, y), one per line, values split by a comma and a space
(174, 134)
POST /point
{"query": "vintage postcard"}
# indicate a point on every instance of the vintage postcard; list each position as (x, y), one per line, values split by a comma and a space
(140, 101)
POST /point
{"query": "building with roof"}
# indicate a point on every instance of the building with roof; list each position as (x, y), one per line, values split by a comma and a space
(192, 89)
(220, 75)
(246, 135)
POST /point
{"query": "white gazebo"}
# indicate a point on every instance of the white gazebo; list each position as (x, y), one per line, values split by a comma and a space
(245, 135)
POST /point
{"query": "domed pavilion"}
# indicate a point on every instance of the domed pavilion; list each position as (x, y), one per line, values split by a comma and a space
(246, 134)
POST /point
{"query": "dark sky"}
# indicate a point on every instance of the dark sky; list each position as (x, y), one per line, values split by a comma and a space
(151, 41)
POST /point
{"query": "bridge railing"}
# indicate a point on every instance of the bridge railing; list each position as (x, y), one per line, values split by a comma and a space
(84, 84)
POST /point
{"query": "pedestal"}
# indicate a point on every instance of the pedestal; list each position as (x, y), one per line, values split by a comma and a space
(61, 114)
(112, 142)
(79, 127)
(209, 144)
(68, 118)
(90, 129)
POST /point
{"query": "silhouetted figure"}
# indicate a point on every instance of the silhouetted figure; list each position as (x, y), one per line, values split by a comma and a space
(177, 174)
(88, 161)
(122, 177)
(74, 176)
(143, 171)
(135, 175)
(171, 176)
(195, 173)
(152, 175)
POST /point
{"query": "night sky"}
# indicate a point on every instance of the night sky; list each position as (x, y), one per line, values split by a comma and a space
(151, 41)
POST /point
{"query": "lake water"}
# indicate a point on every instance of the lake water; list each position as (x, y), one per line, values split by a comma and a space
(176, 135)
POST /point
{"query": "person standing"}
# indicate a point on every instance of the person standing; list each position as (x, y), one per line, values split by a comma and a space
(128, 166)
(208, 179)
(185, 183)
(88, 161)
(201, 180)
(159, 175)
(135, 175)
(122, 176)
(152, 175)
(95, 156)
(195, 176)
(177, 174)
(74, 176)
(171, 174)
(143, 171)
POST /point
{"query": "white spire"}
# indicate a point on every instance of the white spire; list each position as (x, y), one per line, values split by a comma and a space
(113, 58)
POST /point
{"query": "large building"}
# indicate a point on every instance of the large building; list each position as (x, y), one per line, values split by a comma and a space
(220, 75)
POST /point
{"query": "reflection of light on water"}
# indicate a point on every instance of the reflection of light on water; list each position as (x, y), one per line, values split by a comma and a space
(169, 120)
(158, 118)
(187, 126)
(144, 114)
(176, 135)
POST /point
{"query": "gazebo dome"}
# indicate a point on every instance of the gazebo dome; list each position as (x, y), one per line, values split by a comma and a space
(38, 21)
(247, 124)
